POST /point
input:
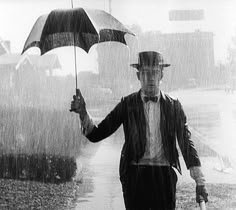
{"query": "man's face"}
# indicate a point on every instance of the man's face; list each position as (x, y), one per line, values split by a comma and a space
(150, 78)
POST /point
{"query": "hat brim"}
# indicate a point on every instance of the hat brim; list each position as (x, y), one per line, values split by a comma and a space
(137, 66)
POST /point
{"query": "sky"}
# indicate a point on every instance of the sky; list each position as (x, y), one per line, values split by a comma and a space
(17, 18)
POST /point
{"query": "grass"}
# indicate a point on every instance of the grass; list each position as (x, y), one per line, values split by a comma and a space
(27, 130)
(39, 143)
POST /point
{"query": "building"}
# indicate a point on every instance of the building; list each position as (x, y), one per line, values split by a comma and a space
(114, 69)
(191, 56)
(24, 76)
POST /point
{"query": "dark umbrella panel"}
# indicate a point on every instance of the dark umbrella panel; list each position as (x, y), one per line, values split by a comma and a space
(75, 27)
(64, 28)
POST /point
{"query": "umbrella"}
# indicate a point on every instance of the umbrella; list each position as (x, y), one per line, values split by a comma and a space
(75, 27)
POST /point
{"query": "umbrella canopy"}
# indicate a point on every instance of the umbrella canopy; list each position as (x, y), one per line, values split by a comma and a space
(75, 27)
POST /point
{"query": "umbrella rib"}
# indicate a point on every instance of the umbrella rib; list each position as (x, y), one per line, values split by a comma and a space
(93, 23)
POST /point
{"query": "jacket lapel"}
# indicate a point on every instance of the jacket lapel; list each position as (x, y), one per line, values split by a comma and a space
(139, 143)
(163, 122)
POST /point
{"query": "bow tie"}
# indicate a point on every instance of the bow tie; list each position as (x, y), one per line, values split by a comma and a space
(150, 98)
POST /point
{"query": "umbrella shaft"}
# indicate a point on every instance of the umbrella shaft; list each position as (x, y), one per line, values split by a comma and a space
(76, 84)
(72, 4)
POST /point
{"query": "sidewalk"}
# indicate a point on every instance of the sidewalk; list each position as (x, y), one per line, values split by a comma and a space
(107, 192)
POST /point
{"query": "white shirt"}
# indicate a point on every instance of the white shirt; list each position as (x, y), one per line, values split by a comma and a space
(154, 152)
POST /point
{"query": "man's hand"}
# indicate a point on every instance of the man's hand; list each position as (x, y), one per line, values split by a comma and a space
(201, 193)
(78, 104)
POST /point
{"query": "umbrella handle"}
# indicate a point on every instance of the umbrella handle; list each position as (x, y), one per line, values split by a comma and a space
(202, 205)
(77, 94)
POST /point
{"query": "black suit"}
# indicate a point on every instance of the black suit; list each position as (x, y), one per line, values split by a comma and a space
(130, 113)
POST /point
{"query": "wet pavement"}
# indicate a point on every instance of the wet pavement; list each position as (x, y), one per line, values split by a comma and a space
(102, 172)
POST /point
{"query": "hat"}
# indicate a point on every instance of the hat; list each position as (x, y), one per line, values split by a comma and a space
(149, 58)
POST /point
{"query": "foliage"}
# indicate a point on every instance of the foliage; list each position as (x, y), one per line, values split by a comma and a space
(27, 130)
(38, 143)
(38, 167)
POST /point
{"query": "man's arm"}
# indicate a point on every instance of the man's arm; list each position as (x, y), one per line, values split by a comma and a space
(184, 138)
(78, 106)
(197, 174)
(190, 155)
(105, 128)
(109, 125)
(87, 124)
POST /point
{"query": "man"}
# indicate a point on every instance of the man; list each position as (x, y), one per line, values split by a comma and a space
(152, 121)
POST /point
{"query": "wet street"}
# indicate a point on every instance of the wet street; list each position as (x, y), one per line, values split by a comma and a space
(102, 172)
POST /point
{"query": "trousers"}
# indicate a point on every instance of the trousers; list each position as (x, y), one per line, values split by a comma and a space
(150, 188)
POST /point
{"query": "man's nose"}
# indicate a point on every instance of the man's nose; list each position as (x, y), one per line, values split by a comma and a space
(151, 77)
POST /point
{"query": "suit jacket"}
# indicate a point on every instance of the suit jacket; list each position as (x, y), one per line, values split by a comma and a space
(130, 113)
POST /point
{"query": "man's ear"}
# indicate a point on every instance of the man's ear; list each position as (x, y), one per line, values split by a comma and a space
(138, 75)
